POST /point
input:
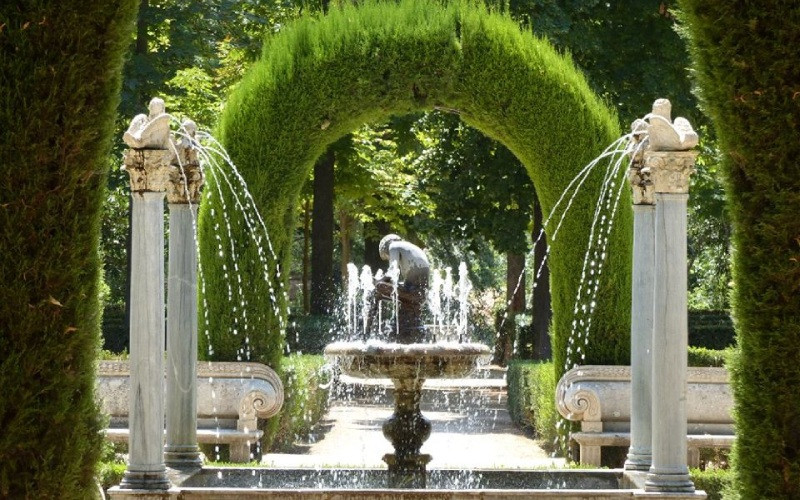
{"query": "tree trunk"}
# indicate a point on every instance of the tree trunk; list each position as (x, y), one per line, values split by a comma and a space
(322, 236)
(515, 300)
(345, 224)
(540, 299)
(373, 232)
(306, 254)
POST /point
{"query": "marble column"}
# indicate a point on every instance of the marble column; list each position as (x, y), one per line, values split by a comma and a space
(642, 303)
(181, 450)
(670, 172)
(146, 468)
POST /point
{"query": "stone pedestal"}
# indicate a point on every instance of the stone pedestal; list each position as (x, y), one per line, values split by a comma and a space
(407, 429)
(670, 172)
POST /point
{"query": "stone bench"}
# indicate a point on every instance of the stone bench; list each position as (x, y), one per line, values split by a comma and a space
(599, 397)
(231, 397)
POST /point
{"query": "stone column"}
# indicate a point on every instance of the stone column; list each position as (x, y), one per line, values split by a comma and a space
(183, 195)
(639, 454)
(670, 165)
(148, 169)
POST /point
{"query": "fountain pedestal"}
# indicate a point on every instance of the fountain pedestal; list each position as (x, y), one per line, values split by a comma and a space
(408, 366)
(407, 429)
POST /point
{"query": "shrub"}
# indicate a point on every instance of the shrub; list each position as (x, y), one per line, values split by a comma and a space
(713, 481)
(115, 329)
(700, 356)
(711, 329)
(60, 63)
(305, 402)
(320, 78)
(745, 60)
(531, 399)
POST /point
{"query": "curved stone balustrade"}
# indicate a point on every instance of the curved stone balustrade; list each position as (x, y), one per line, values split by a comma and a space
(231, 397)
(599, 397)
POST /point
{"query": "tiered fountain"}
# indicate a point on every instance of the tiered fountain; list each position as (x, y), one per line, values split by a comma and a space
(405, 359)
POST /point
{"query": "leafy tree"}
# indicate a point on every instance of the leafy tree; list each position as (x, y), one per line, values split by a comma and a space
(629, 49)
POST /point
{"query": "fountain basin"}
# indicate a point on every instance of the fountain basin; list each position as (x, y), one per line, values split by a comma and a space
(407, 361)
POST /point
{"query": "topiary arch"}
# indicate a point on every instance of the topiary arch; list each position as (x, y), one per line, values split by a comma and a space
(321, 78)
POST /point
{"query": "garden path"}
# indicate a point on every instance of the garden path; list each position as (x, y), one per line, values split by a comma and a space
(471, 428)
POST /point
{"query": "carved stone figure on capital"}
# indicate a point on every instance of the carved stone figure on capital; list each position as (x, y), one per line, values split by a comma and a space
(664, 134)
(149, 131)
(662, 157)
(409, 267)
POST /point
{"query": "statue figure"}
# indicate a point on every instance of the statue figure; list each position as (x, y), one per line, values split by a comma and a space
(149, 131)
(409, 268)
(663, 133)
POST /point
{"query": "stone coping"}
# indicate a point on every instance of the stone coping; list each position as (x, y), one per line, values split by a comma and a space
(374, 348)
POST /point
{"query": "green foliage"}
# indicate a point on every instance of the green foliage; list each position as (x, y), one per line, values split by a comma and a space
(745, 59)
(305, 402)
(60, 64)
(629, 50)
(322, 78)
(709, 231)
(531, 401)
(714, 482)
(701, 356)
(111, 467)
(114, 329)
(309, 333)
(481, 190)
(711, 329)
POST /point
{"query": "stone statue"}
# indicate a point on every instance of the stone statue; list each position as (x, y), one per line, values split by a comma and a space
(409, 268)
(149, 131)
(665, 134)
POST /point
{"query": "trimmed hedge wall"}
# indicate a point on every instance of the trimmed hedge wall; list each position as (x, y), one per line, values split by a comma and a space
(711, 329)
(745, 60)
(60, 64)
(321, 77)
(531, 399)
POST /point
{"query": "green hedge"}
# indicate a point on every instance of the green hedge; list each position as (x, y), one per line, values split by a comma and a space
(700, 356)
(711, 329)
(745, 60)
(322, 77)
(60, 65)
(714, 482)
(531, 399)
(305, 403)
(115, 328)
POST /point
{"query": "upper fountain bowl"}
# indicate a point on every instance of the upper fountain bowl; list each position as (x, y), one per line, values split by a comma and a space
(407, 361)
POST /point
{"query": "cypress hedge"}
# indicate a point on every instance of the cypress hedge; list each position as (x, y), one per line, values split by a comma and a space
(321, 77)
(745, 60)
(60, 65)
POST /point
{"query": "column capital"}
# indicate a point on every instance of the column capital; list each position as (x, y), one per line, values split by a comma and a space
(663, 158)
(670, 170)
(185, 175)
(148, 169)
